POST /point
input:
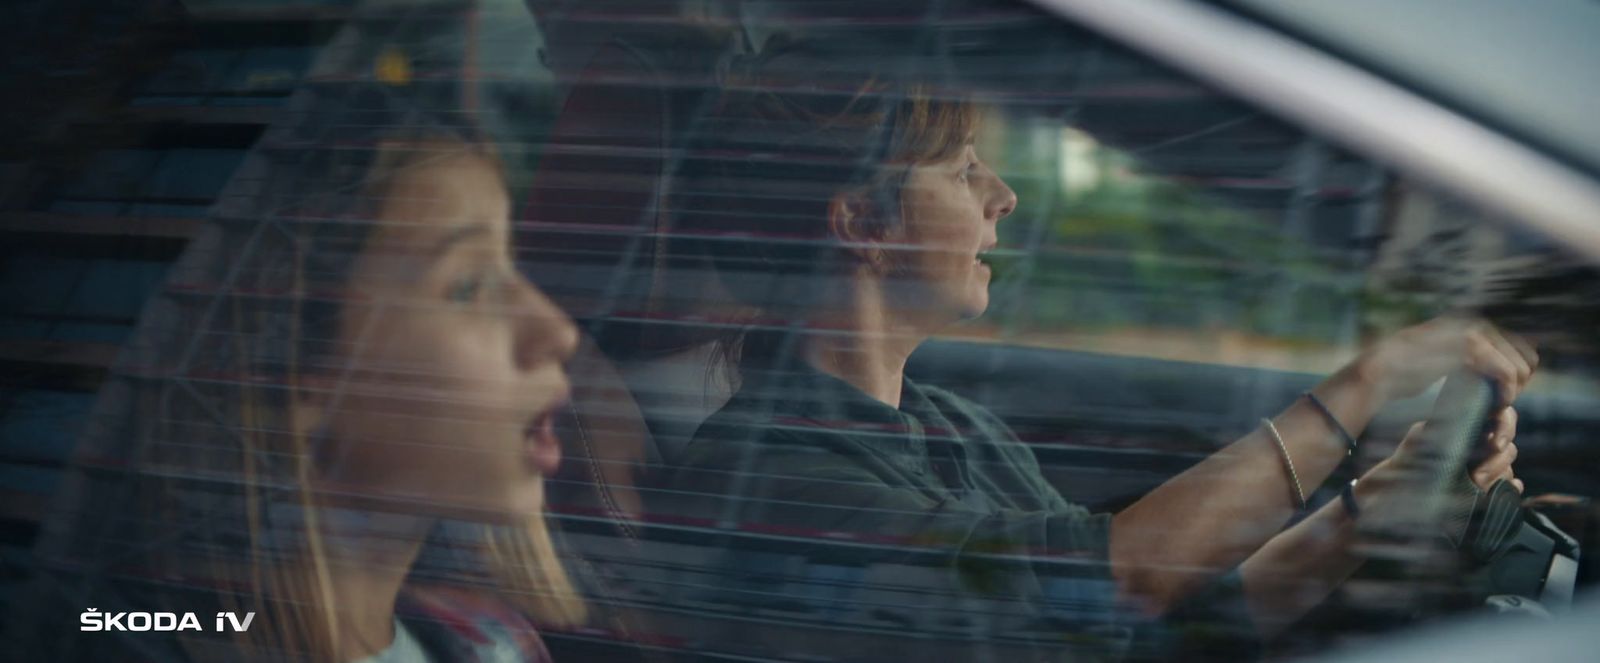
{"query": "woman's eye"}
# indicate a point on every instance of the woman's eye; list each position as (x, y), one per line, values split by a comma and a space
(967, 171)
(466, 290)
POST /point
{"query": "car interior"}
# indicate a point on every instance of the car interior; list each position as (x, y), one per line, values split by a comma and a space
(598, 233)
(1182, 263)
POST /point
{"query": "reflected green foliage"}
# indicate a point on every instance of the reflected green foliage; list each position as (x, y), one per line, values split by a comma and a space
(1124, 248)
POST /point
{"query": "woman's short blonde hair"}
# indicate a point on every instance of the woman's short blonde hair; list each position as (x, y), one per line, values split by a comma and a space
(794, 127)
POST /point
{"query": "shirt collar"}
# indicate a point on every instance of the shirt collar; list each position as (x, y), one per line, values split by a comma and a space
(801, 394)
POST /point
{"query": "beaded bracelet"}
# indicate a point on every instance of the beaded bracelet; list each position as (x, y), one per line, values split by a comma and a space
(1349, 440)
(1299, 493)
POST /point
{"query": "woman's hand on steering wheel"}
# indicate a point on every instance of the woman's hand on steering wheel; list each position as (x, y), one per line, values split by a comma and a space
(1501, 445)
(1498, 448)
(1406, 363)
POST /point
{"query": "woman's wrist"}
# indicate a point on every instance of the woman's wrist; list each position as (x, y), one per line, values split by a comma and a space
(1366, 374)
(1346, 400)
(1376, 485)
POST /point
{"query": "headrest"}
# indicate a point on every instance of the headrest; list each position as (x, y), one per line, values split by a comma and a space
(676, 393)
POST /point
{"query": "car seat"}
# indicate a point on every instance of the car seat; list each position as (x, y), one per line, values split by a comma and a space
(594, 232)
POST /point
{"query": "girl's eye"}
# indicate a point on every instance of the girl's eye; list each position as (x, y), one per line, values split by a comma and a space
(967, 172)
(467, 290)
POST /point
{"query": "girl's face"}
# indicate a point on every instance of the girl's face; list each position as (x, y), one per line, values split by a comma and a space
(450, 361)
(950, 209)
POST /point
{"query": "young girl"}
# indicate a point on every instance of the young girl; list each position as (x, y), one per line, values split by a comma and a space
(328, 441)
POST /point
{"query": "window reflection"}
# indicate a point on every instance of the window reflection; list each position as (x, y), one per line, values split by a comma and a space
(740, 206)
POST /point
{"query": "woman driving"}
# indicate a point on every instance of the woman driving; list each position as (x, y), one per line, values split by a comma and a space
(849, 210)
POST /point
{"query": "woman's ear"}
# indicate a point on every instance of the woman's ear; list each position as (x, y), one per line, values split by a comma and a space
(852, 219)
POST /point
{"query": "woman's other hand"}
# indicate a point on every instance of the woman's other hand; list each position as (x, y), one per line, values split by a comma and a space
(1498, 448)
(1501, 445)
(1389, 493)
(1405, 364)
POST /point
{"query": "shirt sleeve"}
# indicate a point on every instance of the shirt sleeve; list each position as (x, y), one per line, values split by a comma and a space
(934, 562)
(1046, 573)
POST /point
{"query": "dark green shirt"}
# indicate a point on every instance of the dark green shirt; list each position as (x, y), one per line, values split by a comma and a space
(939, 483)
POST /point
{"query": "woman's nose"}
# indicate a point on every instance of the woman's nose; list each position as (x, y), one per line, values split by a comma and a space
(544, 333)
(1002, 201)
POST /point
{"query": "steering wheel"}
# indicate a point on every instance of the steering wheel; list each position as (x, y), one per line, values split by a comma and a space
(1507, 551)
(1460, 418)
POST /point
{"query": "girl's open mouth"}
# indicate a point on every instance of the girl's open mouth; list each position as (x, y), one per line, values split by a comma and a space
(541, 447)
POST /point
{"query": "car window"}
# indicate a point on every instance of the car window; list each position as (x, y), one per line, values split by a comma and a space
(1163, 265)
(1476, 64)
(1178, 263)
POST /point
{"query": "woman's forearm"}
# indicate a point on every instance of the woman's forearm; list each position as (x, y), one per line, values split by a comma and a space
(1299, 568)
(1211, 517)
(1215, 515)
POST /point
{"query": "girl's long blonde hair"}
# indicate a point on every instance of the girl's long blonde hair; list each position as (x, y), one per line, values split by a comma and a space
(192, 459)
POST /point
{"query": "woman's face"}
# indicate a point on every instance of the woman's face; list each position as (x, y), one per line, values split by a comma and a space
(949, 210)
(452, 361)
